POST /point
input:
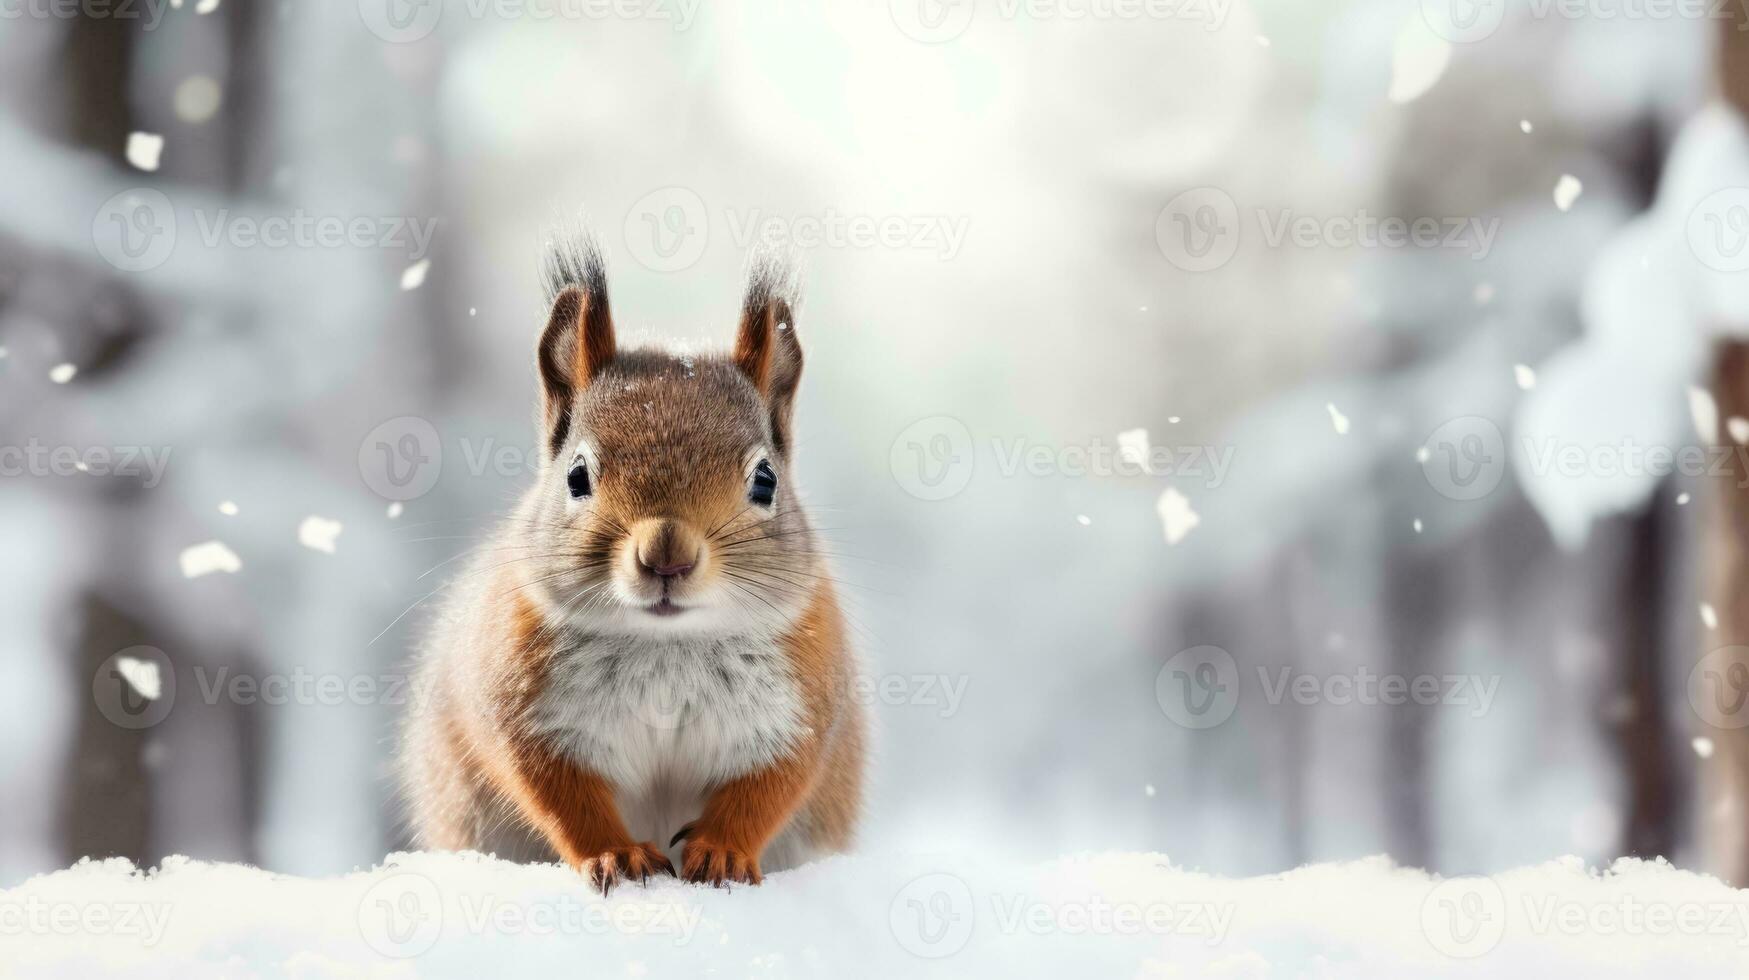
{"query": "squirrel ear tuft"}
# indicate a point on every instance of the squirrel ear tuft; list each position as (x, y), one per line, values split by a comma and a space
(578, 340)
(766, 347)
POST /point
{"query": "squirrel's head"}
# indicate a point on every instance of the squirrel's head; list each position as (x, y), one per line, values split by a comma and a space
(665, 502)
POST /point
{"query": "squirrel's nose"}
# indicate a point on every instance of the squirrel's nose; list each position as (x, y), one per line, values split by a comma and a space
(668, 550)
(668, 571)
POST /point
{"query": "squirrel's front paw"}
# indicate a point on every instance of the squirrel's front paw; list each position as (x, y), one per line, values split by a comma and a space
(705, 861)
(616, 864)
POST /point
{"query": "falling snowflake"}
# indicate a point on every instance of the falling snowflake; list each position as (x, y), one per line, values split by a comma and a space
(1176, 515)
(144, 150)
(1417, 61)
(1337, 419)
(1705, 413)
(1567, 190)
(414, 275)
(1133, 448)
(142, 676)
(207, 558)
(318, 534)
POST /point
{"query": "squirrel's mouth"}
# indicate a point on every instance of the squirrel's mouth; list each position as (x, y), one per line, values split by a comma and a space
(664, 607)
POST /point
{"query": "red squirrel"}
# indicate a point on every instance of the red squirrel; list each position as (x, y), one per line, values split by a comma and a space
(647, 665)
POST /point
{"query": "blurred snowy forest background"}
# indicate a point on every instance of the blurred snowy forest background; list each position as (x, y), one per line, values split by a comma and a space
(336, 414)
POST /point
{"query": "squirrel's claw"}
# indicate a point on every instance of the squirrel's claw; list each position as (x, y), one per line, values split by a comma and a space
(617, 864)
(718, 865)
(680, 835)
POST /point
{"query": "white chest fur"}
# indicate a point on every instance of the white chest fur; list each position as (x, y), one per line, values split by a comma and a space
(665, 720)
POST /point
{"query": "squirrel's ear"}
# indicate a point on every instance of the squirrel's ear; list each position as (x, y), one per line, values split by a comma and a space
(577, 342)
(766, 347)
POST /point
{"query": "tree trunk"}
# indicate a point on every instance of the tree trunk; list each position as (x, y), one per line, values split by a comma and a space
(1725, 777)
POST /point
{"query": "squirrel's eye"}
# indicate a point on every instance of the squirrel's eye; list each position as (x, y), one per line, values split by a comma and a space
(578, 480)
(764, 487)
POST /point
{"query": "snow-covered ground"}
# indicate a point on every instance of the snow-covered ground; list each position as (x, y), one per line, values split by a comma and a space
(877, 915)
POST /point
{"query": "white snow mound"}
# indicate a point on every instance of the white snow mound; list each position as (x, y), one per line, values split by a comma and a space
(444, 915)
